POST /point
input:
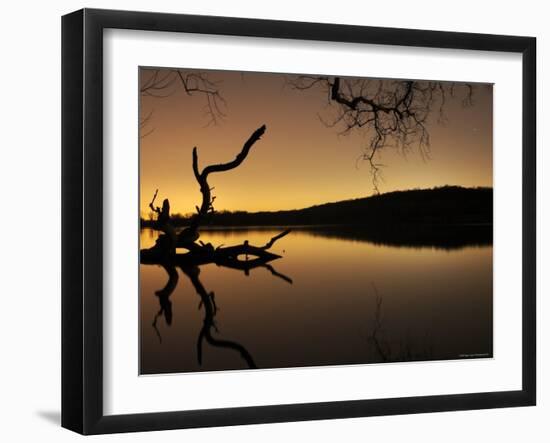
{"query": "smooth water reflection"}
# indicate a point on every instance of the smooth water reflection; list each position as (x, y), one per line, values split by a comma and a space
(332, 299)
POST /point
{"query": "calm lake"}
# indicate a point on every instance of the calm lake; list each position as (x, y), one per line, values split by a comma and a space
(334, 298)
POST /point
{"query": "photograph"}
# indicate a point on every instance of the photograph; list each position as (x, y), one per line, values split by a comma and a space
(293, 220)
(275, 221)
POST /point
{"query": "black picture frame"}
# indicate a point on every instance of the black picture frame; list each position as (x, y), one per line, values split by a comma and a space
(82, 218)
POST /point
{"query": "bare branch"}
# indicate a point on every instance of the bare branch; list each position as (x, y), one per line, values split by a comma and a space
(393, 112)
(270, 243)
(151, 205)
(202, 177)
(161, 83)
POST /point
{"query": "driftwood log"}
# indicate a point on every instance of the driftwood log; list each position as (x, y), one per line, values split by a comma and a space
(229, 256)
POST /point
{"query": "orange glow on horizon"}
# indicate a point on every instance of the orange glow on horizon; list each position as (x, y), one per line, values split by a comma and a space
(299, 162)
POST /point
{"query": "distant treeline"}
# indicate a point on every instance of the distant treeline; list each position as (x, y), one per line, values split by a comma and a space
(444, 205)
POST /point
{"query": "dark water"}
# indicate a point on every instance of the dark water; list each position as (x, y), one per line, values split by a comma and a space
(334, 298)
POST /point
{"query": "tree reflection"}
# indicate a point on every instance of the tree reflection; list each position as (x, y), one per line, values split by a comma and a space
(164, 298)
(207, 304)
(387, 350)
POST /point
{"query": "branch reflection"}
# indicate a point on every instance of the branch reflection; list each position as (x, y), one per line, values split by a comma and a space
(207, 303)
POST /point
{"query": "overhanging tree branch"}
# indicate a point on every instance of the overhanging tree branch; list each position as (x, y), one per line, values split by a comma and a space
(394, 113)
(161, 83)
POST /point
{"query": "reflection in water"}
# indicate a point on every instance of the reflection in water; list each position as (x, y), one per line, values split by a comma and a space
(420, 236)
(164, 298)
(210, 309)
(351, 301)
(385, 349)
(208, 303)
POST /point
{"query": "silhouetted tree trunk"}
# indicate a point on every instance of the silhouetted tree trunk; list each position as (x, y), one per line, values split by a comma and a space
(200, 253)
(190, 235)
(166, 243)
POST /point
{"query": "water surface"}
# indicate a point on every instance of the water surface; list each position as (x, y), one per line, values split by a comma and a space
(334, 298)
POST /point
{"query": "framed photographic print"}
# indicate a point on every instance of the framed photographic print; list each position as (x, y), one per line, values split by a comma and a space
(269, 221)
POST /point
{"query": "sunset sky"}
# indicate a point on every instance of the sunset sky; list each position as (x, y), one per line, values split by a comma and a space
(299, 162)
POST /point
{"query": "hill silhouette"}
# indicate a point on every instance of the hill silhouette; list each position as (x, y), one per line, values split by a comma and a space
(447, 205)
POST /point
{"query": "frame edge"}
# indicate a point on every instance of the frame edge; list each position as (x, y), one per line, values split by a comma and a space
(81, 262)
(529, 268)
(72, 315)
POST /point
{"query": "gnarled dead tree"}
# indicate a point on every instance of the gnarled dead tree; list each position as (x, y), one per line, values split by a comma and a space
(394, 113)
(199, 252)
